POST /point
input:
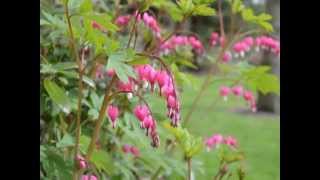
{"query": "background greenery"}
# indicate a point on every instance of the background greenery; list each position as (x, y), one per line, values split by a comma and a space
(257, 134)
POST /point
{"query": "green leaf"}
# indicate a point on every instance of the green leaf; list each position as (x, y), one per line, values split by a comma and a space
(197, 146)
(54, 21)
(237, 6)
(264, 17)
(95, 100)
(89, 81)
(261, 20)
(104, 20)
(86, 6)
(233, 157)
(93, 113)
(44, 22)
(187, 63)
(58, 95)
(204, 10)
(64, 66)
(266, 25)
(103, 161)
(66, 141)
(140, 60)
(117, 61)
(186, 6)
(259, 78)
(56, 166)
(84, 143)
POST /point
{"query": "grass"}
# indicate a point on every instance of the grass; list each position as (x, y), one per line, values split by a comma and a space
(258, 136)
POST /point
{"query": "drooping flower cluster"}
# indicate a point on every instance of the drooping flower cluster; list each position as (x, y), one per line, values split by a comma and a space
(268, 43)
(148, 78)
(249, 97)
(262, 42)
(181, 40)
(215, 39)
(238, 90)
(131, 149)
(150, 22)
(148, 75)
(215, 140)
(243, 46)
(143, 114)
(123, 20)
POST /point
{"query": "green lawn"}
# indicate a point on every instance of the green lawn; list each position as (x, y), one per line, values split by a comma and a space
(258, 136)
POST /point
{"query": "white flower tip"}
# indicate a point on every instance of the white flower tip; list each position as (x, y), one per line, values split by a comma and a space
(242, 54)
(129, 95)
(145, 84)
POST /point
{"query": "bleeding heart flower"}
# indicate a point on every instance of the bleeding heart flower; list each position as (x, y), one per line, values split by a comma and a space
(113, 113)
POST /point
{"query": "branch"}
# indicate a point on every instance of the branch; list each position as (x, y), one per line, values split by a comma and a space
(221, 19)
(189, 168)
(102, 113)
(79, 63)
(132, 29)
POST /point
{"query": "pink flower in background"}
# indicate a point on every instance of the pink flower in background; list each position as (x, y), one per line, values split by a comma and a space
(217, 138)
(113, 113)
(89, 177)
(96, 25)
(239, 49)
(224, 92)
(249, 41)
(126, 148)
(253, 106)
(82, 162)
(248, 96)
(267, 43)
(152, 23)
(181, 40)
(99, 71)
(214, 39)
(123, 20)
(227, 57)
(125, 87)
(213, 141)
(222, 41)
(231, 141)
(111, 72)
(131, 149)
(196, 44)
(135, 151)
(237, 90)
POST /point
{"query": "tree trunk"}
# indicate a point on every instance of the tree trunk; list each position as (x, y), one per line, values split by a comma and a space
(271, 102)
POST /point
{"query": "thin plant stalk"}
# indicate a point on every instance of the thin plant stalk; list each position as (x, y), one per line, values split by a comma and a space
(80, 95)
